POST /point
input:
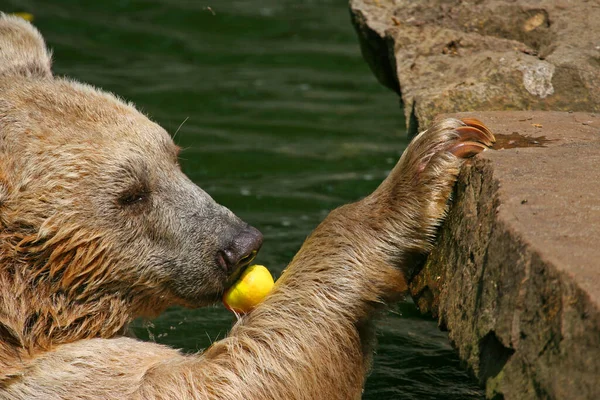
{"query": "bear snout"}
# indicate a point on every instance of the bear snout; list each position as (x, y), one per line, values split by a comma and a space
(240, 252)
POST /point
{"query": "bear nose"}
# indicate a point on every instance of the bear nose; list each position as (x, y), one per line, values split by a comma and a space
(241, 251)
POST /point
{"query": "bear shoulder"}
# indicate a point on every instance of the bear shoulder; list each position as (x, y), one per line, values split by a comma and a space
(94, 368)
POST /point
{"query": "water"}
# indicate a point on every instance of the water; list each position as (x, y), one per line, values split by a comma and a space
(281, 121)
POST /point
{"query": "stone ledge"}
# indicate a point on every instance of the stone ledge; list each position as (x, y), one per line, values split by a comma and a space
(450, 56)
(515, 277)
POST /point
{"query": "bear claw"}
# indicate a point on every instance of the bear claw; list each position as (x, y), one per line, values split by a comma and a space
(472, 134)
(467, 149)
(477, 124)
(473, 138)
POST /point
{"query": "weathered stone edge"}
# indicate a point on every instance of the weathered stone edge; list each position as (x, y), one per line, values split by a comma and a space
(526, 330)
(377, 51)
(406, 45)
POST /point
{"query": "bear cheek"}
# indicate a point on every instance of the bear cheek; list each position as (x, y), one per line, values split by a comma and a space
(191, 276)
(197, 288)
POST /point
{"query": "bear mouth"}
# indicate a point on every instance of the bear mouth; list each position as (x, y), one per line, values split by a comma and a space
(240, 268)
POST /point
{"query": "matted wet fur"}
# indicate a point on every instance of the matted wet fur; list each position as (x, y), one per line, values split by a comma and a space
(99, 226)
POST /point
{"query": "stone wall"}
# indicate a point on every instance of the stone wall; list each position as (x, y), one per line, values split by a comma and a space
(450, 56)
(515, 276)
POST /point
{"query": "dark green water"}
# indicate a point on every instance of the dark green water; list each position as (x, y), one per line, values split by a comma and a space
(283, 122)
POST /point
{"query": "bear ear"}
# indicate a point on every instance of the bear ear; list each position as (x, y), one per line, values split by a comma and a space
(22, 49)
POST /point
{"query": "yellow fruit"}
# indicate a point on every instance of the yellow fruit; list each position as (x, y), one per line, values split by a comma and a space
(25, 15)
(252, 287)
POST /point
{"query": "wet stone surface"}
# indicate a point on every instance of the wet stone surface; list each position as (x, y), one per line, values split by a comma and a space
(514, 276)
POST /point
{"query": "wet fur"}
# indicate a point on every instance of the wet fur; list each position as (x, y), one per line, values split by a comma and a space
(69, 290)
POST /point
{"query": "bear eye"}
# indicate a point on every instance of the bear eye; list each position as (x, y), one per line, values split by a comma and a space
(132, 198)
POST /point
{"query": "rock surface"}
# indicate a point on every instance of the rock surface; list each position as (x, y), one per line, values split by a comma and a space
(452, 55)
(515, 277)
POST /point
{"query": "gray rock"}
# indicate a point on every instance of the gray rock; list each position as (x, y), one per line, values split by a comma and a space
(515, 276)
(451, 56)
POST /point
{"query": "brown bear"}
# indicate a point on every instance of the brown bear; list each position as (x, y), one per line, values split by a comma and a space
(98, 225)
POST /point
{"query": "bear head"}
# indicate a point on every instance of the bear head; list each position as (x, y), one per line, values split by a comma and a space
(93, 202)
